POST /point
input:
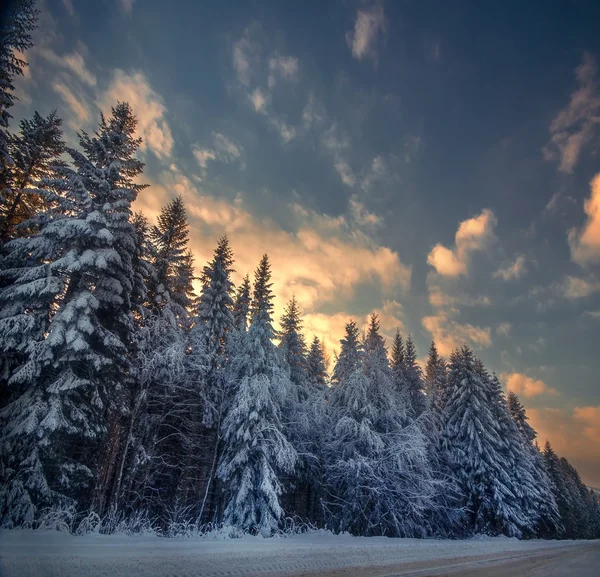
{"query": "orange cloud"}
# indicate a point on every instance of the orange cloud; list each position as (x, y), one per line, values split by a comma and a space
(525, 386)
(473, 234)
(322, 261)
(585, 242)
(574, 434)
(449, 334)
(148, 107)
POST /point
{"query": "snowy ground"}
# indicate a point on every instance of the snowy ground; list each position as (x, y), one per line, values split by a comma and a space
(49, 554)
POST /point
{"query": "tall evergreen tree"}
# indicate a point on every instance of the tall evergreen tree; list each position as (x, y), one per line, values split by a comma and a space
(316, 367)
(79, 374)
(435, 379)
(477, 452)
(350, 356)
(172, 292)
(34, 151)
(293, 347)
(20, 19)
(414, 378)
(256, 451)
(241, 307)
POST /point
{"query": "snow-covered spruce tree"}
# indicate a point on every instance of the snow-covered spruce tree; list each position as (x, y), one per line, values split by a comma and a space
(34, 151)
(75, 383)
(207, 362)
(414, 379)
(537, 509)
(19, 20)
(241, 307)
(22, 324)
(316, 367)
(297, 414)
(435, 380)
(539, 491)
(317, 419)
(350, 357)
(476, 452)
(172, 291)
(378, 475)
(293, 347)
(256, 453)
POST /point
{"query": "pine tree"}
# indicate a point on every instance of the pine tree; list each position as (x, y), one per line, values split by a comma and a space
(241, 307)
(34, 151)
(476, 451)
(172, 292)
(435, 379)
(293, 347)
(256, 451)
(350, 356)
(414, 379)
(20, 19)
(73, 385)
(535, 483)
(316, 368)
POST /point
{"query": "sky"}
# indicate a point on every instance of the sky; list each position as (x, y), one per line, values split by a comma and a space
(434, 162)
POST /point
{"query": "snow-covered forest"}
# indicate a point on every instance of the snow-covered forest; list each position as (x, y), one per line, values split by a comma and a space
(127, 400)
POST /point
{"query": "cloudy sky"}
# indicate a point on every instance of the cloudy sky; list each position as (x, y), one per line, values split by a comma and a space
(432, 161)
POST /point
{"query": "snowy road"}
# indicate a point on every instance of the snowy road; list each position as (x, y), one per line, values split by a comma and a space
(52, 554)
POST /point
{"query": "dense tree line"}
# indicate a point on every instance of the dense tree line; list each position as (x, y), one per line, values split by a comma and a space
(127, 398)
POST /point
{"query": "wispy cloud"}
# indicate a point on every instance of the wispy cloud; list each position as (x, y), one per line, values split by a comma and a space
(222, 150)
(246, 55)
(126, 6)
(285, 67)
(449, 334)
(585, 242)
(368, 26)
(525, 386)
(503, 329)
(473, 234)
(576, 124)
(512, 271)
(148, 106)
(337, 144)
(577, 288)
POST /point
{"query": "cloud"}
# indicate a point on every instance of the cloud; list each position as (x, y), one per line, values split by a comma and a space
(286, 132)
(362, 216)
(449, 334)
(285, 67)
(367, 26)
(313, 112)
(126, 6)
(473, 234)
(79, 109)
(576, 288)
(337, 144)
(594, 314)
(224, 150)
(259, 100)
(68, 4)
(503, 329)
(525, 386)
(585, 242)
(148, 107)
(320, 259)
(574, 434)
(203, 155)
(512, 271)
(575, 125)
(246, 56)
